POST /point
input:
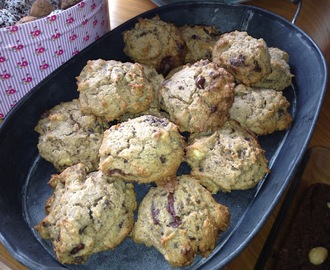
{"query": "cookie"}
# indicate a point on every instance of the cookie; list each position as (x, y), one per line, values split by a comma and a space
(263, 111)
(155, 43)
(245, 57)
(41, 8)
(68, 136)
(143, 149)
(87, 213)
(227, 159)
(198, 97)
(181, 223)
(280, 77)
(111, 88)
(200, 40)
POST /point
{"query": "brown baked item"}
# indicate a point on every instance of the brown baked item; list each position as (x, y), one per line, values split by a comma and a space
(310, 228)
(198, 96)
(143, 149)
(244, 56)
(110, 88)
(68, 136)
(230, 158)
(261, 110)
(155, 43)
(87, 213)
(180, 223)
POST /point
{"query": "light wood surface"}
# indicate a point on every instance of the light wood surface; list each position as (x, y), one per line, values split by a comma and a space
(314, 20)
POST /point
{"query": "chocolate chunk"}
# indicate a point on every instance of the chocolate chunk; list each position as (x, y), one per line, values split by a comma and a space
(200, 82)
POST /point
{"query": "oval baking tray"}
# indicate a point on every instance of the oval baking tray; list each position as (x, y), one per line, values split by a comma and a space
(24, 175)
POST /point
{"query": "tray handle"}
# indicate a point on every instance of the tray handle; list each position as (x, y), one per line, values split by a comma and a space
(299, 3)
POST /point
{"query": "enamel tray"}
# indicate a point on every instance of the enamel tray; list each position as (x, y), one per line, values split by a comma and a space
(24, 175)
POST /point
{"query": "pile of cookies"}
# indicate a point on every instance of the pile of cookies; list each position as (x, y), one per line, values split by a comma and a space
(22, 11)
(191, 95)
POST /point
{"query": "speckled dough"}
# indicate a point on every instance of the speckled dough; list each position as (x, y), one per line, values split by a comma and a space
(144, 149)
(228, 159)
(155, 43)
(87, 213)
(68, 136)
(198, 97)
(181, 223)
(112, 88)
(247, 58)
(200, 40)
(280, 77)
(263, 111)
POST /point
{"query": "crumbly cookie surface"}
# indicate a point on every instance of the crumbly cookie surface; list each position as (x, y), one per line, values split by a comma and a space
(143, 149)
(155, 43)
(181, 223)
(281, 76)
(198, 97)
(263, 111)
(247, 58)
(87, 213)
(68, 136)
(110, 88)
(200, 40)
(227, 159)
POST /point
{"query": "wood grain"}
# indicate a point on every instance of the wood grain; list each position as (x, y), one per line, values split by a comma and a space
(314, 20)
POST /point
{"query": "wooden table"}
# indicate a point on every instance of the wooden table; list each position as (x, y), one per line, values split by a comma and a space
(314, 20)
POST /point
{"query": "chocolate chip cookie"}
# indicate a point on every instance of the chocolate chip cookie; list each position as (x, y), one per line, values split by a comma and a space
(200, 40)
(180, 223)
(244, 56)
(155, 43)
(68, 136)
(227, 159)
(263, 111)
(110, 88)
(143, 149)
(198, 97)
(281, 76)
(87, 213)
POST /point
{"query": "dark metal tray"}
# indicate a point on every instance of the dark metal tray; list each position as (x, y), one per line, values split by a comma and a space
(24, 175)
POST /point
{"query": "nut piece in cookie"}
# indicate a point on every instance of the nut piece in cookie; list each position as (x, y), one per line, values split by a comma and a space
(228, 159)
(155, 43)
(245, 57)
(143, 149)
(181, 223)
(111, 88)
(280, 77)
(263, 111)
(200, 40)
(87, 213)
(68, 136)
(198, 96)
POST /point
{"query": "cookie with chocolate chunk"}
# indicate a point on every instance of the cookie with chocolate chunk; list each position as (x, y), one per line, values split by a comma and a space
(143, 149)
(263, 111)
(281, 76)
(68, 136)
(198, 96)
(244, 56)
(180, 223)
(87, 213)
(155, 43)
(112, 88)
(200, 40)
(227, 159)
